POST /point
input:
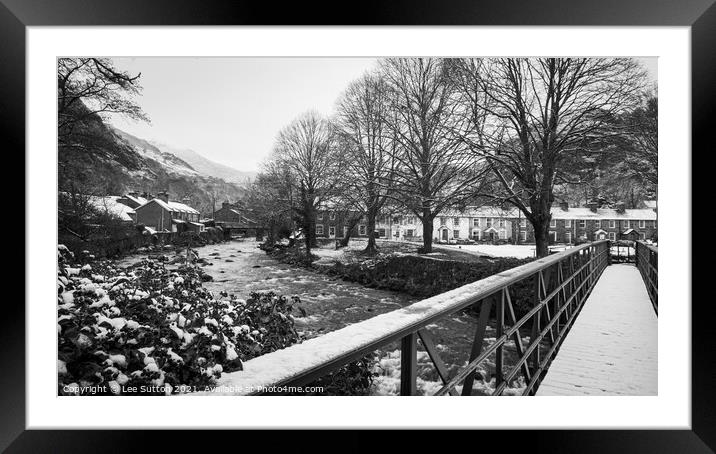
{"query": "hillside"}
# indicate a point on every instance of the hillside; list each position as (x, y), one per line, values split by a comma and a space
(103, 160)
(206, 166)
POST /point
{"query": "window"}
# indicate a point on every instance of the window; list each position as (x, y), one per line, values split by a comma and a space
(455, 221)
(642, 224)
(582, 223)
(612, 223)
(489, 223)
(597, 223)
(456, 234)
(476, 234)
(476, 222)
(361, 230)
(625, 224)
(410, 233)
(523, 235)
(320, 216)
(568, 223)
(502, 223)
(523, 223)
(568, 237)
(553, 223)
(443, 221)
(612, 236)
(332, 231)
(332, 216)
(319, 229)
(381, 233)
(503, 234)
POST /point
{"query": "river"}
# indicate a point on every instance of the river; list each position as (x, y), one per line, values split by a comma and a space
(330, 303)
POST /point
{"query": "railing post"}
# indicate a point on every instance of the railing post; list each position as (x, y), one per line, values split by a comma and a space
(499, 331)
(408, 365)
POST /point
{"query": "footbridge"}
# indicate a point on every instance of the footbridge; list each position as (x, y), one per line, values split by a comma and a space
(575, 324)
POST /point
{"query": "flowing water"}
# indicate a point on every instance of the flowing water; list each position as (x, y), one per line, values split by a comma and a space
(330, 303)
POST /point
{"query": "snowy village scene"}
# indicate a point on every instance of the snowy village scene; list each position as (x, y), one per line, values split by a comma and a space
(357, 226)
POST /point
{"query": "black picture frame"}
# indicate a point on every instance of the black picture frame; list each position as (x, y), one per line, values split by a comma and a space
(700, 15)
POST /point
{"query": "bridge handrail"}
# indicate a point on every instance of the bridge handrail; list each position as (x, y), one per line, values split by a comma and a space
(647, 262)
(303, 363)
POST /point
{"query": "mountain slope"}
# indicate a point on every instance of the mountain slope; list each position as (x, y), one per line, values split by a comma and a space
(101, 160)
(168, 160)
(206, 166)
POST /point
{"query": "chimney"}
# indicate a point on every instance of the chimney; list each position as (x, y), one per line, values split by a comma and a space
(564, 206)
(592, 205)
(163, 196)
(620, 207)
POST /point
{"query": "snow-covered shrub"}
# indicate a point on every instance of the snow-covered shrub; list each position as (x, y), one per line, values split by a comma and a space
(148, 330)
(353, 379)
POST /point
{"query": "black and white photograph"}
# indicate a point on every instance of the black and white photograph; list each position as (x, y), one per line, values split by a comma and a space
(355, 226)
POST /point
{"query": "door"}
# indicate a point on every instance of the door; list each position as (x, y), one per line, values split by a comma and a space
(445, 235)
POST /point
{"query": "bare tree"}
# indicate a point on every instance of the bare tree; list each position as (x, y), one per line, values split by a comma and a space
(269, 201)
(87, 87)
(434, 168)
(642, 142)
(368, 149)
(307, 149)
(532, 117)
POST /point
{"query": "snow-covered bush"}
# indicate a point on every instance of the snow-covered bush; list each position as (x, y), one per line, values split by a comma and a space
(148, 330)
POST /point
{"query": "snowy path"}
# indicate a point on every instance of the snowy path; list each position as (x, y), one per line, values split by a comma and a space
(612, 347)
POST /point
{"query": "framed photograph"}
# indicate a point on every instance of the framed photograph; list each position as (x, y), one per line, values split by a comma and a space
(244, 223)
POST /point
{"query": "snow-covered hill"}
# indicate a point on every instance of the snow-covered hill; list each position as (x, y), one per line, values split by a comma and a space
(206, 166)
(169, 161)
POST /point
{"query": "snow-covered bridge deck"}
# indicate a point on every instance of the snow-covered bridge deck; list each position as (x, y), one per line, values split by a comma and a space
(612, 347)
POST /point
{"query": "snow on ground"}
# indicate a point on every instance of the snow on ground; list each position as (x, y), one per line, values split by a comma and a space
(612, 347)
(494, 250)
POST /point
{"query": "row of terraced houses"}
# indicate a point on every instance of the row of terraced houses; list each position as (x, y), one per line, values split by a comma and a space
(496, 225)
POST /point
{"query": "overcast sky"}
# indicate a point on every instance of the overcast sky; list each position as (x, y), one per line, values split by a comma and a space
(230, 109)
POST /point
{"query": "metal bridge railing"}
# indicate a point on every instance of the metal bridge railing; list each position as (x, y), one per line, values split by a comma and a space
(647, 261)
(558, 286)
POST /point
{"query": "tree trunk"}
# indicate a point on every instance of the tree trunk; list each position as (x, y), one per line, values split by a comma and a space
(351, 225)
(427, 233)
(308, 226)
(371, 248)
(541, 228)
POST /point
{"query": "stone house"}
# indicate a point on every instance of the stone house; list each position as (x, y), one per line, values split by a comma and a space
(164, 215)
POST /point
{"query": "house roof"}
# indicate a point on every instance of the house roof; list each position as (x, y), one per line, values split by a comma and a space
(603, 213)
(109, 204)
(627, 231)
(171, 206)
(136, 199)
(578, 213)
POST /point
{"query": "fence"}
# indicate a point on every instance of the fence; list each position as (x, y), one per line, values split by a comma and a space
(622, 251)
(647, 261)
(561, 282)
